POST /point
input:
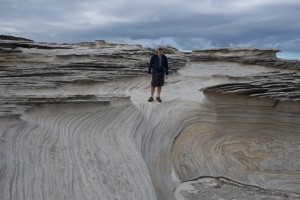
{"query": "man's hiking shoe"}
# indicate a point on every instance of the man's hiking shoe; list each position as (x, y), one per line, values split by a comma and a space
(150, 99)
(158, 99)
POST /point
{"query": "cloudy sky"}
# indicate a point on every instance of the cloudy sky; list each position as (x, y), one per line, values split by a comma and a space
(189, 25)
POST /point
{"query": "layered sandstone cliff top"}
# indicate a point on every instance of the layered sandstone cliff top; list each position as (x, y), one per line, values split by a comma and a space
(26, 64)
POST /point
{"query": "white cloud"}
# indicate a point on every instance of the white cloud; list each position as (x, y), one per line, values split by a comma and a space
(182, 44)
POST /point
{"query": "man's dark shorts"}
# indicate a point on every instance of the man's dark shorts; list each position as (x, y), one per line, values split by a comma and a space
(157, 80)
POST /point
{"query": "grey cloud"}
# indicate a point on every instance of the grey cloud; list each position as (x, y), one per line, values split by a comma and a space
(188, 26)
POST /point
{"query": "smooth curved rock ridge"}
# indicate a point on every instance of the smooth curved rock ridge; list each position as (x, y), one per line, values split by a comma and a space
(76, 124)
(278, 86)
(251, 56)
(239, 52)
(17, 104)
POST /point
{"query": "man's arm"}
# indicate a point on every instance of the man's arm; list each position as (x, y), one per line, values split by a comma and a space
(150, 64)
(166, 66)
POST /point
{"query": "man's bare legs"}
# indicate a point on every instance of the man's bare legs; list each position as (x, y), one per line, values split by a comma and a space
(153, 91)
(158, 91)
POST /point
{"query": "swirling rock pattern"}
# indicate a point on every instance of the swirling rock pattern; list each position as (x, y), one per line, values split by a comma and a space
(76, 124)
(252, 143)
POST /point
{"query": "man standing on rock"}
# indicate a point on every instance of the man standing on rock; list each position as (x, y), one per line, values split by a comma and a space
(157, 69)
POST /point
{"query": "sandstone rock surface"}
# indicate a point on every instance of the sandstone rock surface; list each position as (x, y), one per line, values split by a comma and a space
(76, 124)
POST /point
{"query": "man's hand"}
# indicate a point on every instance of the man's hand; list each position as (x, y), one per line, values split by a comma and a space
(166, 76)
(149, 76)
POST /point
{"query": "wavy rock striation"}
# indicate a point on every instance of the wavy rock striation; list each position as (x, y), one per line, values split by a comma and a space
(76, 124)
(250, 142)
